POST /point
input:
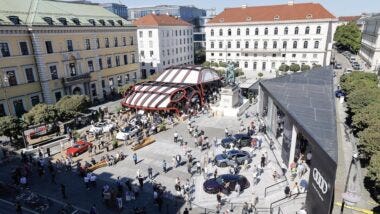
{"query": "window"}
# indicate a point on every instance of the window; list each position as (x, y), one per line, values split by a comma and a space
(49, 47)
(29, 75)
(265, 44)
(58, 96)
(150, 34)
(246, 44)
(90, 66)
(264, 66)
(48, 20)
(125, 59)
(247, 31)
(24, 48)
(273, 65)
(256, 45)
(212, 32)
(212, 54)
(134, 75)
(220, 44)
(53, 72)
(126, 78)
(212, 45)
(150, 44)
(286, 30)
(111, 82)
(296, 30)
(4, 49)
(229, 33)
(93, 89)
(237, 44)
(256, 31)
(294, 44)
(119, 81)
(14, 19)
(151, 53)
(133, 58)
(131, 40)
(116, 42)
(2, 110)
(140, 34)
(245, 64)
(238, 32)
(100, 64)
(305, 44)
(35, 100)
(92, 22)
(102, 22)
(284, 44)
(274, 44)
(73, 69)
(294, 55)
(19, 107)
(318, 30)
(69, 45)
(12, 80)
(254, 65)
(266, 31)
(76, 21)
(220, 32)
(228, 44)
(87, 44)
(274, 55)
(316, 44)
(304, 55)
(97, 43)
(124, 41)
(109, 62)
(142, 54)
(107, 41)
(307, 30)
(275, 31)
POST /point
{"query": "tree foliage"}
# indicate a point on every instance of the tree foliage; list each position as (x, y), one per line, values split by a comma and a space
(42, 114)
(348, 36)
(11, 127)
(294, 67)
(284, 68)
(305, 67)
(374, 169)
(260, 74)
(73, 103)
(206, 64)
(357, 80)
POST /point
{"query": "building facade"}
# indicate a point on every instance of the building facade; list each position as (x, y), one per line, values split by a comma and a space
(118, 9)
(163, 41)
(47, 54)
(260, 39)
(370, 44)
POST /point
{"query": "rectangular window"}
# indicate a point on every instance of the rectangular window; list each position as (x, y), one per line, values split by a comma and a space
(29, 75)
(140, 34)
(254, 65)
(119, 81)
(35, 100)
(264, 66)
(131, 40)
(100, 64)
(134, 75)
(53, 72)
(4, 49)
(293, 55)
(126, 78)
(125, 59)
(70, 45)
(90, 66)
(117, 58)
(133, 58)
(150, 34)
(87, 44)
(124, 41)
(103, 83)
(49, 47)
(273, 65)
(19, 107)
(151, 53)
(107, 41)
(93, 89)
(116, 42)
(24, 48)
(150, 44)
(2, 110)
(12, 80)
(109, 62)
(58, 96)
(73, 69)
(110, 82)
(97, 43)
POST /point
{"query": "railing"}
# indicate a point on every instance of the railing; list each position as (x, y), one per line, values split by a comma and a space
(286, 200)
(280, 211)
(270, 186)
(77, 77)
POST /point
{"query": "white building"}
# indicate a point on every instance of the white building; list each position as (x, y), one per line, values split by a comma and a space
(370, 45)
(163, 41)
(261, 38)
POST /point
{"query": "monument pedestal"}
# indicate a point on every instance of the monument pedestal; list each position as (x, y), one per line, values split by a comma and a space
(231, 103)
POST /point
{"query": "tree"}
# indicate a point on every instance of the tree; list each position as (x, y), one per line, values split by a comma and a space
(316, 66)
(294, 67)
(42, 114)
(123, 89)
(367, 116)
(356, 80)
(348, 37)
(11, 127)
(305, 67)
(361, 98)
(222, 64)
(72, 104)
(206, 64)
(238, 72)
(284, 68)
(260, 74)
(369, 140)
(214, 64)
(374, 169)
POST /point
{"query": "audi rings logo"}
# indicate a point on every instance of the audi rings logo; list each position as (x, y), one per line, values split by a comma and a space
(321, 182)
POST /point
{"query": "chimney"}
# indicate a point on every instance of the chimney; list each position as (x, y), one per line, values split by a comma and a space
(291, 2)
(244, 6)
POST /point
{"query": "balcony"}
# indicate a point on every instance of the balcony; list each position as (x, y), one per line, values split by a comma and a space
(81, 78)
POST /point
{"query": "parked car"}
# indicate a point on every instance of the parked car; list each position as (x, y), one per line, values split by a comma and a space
(231, 158)
(348, 70)
(338, 66)
(101, 127)
(127, 132)
(78, 148)
(339, 93)
(239, 140)
(215, 185)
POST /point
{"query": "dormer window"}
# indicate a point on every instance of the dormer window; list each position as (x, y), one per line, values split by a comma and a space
(63, 21)
(309, 16)
(120, 22)
(248, 18)
(48, 20)
(111, 22)
(14, 19)
(76, 21)
(221, 20)
(276, 17)
(92, 22)
(102, 22)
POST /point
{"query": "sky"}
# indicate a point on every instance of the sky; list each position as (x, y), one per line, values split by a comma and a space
(337, 7)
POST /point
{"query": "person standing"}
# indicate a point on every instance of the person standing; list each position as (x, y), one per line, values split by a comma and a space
(164, 166)
(18, 207)
(237, 188)
(134, 158)
(262, 163)
(225, 132)
(150, 172)
(175, 137)
(215, 173)
(308, 158)
(186, 211)
(189, 167)
(141, 181)
(178, 159)
(287, 191)
(63, 191)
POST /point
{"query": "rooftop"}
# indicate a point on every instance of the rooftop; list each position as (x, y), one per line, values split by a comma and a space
(308, 98)
(160, 20)
(284, 12)
(348, 18)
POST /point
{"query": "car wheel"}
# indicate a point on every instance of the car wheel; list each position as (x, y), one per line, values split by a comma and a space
(223, 164)
(76, 154)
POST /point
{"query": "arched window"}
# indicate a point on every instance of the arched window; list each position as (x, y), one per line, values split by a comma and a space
(307, 30)
(274, 44)
(256, 44)
(265, 44)
(212, 32)
(247, 31)
(246, 44)
(237, 44)
(266, 31)
(229, 32)
(286, 30)
(316, 44)
(318, 30)
(238, 32)
(257, 31)
(245, 64)
(229, 44)
(284, 44)
(220, 32)
(220, 44)
(296, 30)
(212, 45)
(305, 44)
(294, 44)
(275, 31)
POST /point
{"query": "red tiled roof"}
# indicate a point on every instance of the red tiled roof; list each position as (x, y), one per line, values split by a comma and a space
(349, 18)
(160, 20)
(284, 12)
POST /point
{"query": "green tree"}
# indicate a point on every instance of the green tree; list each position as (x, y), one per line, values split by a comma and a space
(72, 104)
(123, 89)
(374, 169)
(222, 64)
(284, 68)
(348, 36)
(305, 67)
(11, 127)
(358, 80)
(316, 66)
(367, 116)
(42, 114)
(294, 67)
(238, 72)
(214, 64)
(260, 74)
(361, 98)
(369, 140)
(206, 64)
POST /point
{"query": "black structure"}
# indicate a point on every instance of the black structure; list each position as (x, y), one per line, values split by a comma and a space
(303, 104)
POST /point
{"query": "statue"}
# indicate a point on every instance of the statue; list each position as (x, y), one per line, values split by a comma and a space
(230, 74)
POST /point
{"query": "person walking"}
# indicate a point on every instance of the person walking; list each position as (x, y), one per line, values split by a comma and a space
(237, 188)
(186, 211)
(175, 137)
(178, 159)
(189, 167)
(141, 181)
(215, 173)
(287, 191)
(150, 172)
(225, 132)
(134, 158)
(164, 166)
(262, 163)
(93, 209)
(63, 191)
(215, 140)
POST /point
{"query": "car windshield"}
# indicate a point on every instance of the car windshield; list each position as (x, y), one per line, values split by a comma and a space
(127, 129)
(221, 156)
(220, 181)
(76, 146)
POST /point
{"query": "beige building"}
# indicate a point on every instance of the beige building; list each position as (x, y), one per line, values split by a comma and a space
(49, 49)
